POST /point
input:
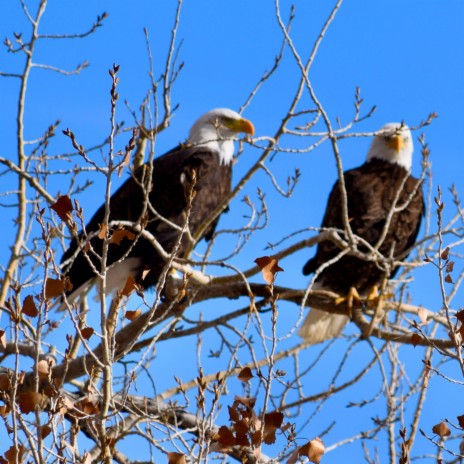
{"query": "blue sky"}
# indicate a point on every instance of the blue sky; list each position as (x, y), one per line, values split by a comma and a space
(407, 58)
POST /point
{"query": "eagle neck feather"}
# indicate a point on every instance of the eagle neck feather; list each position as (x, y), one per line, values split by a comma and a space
(224, 149)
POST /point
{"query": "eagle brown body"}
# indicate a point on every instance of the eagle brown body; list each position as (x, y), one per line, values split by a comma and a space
(385, 207)
(172, 186)
(371, 192)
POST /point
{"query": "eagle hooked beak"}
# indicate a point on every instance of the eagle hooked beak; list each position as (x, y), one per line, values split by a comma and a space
(395, 142)
(241, 125)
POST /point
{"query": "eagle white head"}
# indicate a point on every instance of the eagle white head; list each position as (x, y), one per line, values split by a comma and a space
(217, 129)
(393, 143)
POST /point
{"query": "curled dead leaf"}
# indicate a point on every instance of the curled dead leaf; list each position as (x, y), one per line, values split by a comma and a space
(272, 423)
(63, 207)
(415, 339)
(15, 454)
(5, 410)
(313, 450)
(176, 458)
(55, 287)
(445, 253)
(269, 267)
(103, 231)
(29, 308)
(461, 421)
(120, 234)
(225, 437)
(28, 401)
(133, 315)
(5, 382)
(441, 429)
(460, 316)
(245, 374)
(45, 430)
(87, 332)
(249, 403)
(234, 415)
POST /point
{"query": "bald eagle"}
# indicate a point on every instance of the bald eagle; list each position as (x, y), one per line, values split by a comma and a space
(187, 184)
(383, 182)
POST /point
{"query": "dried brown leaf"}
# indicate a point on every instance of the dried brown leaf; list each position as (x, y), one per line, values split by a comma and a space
(441, 429)
(460, 331)
(242, 426)
(272, 423)
(28, 401)
(103, 231)
(448, 279)
(45, 430)
(176, 458)
(245, 374)
(15, 455)
(55, 287)
(313, 450)
(29, 308)
(449, 266)
(445, 253)
(120, 234)
(5, 382)
(133, 315)
(256, 438)
(460, 316)
(5, 410)
(461, 421)
(415, 339)
(225, 437)
(63, 207)
(269, 267)
(241, 439)
(249, 403)
(87, 332)
(234, 415)
(273, 420)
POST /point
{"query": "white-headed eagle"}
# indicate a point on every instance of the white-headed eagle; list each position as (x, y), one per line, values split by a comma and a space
(383, 182)
(187, 184)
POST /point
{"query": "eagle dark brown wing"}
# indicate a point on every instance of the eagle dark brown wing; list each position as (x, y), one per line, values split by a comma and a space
(172, 182)
(371, 191)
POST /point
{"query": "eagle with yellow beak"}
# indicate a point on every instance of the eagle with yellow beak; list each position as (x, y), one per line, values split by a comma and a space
(173, 204)
(385, 208)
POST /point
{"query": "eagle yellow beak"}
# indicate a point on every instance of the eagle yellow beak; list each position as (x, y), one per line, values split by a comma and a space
(241, 125)
(395, 142)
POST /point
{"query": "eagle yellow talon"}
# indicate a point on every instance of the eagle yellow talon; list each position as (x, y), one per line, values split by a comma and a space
(350, 299)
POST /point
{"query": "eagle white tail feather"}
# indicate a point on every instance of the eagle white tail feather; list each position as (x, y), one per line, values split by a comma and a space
(116, 278)
(321, 325)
